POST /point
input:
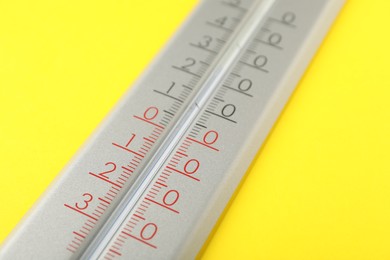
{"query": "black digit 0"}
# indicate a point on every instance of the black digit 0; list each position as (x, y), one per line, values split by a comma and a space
(260, 61)
(274, 39)
(245, 85)
(288, 18)
(228, 110)
(190, 62)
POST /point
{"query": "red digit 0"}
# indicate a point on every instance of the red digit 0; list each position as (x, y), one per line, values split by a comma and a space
(151, 113)
(191, 166)
(210, 137)
(152, 230)
(171, 197)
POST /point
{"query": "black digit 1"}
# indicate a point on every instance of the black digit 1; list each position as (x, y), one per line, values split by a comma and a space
(170, 88)
(190, 62)
(228, 110)
(245, 85)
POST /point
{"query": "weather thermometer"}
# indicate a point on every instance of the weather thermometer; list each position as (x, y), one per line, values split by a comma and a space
(154, 178)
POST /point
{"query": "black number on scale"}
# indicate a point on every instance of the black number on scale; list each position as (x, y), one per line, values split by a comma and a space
(171, 87)
(234, 2)
(274, 39)
(206, 41)
(190, 62)
(244, 85)
(288, 18)
(260, 61)
(228, 110)
(221, 21)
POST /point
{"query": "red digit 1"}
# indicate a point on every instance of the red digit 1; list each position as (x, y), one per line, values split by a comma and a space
(148, 231)
(191, 166)
(171, 197)
(86, 201)
(151, 113)
(210, 137)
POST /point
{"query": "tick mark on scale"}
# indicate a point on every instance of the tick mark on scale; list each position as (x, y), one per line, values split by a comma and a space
(219, 27)
(228, 119)
(115, 252)
(139, 239)
(253, 66)
(182, 173)
(79, 211)
(147, 121)
(201, 143)
(162, 205)
(234, 89)
(161, 184)
(234, 6)
(138, 216)
(164, 94)
(183, 154)
(269, 44)
(106, 180)
(78, 234)
(203, 48)
(127, 149)
(187, 71)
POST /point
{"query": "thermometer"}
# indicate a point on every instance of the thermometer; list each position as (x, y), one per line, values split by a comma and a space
(155, 177)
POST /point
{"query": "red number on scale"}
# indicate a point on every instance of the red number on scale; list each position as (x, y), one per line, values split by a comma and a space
(80, 207)
(151, 113)
(171, 197)
(191, 166)
(103, 174)
(210, 137)
(126, 147)
(83, 205)
(148, 231)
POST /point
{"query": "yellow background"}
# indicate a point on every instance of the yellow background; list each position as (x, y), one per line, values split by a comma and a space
(320, 187)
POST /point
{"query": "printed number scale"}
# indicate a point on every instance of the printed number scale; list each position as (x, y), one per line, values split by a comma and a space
(154, 178)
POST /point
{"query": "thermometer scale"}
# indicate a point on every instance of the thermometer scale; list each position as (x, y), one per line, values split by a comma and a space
(154, 178)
